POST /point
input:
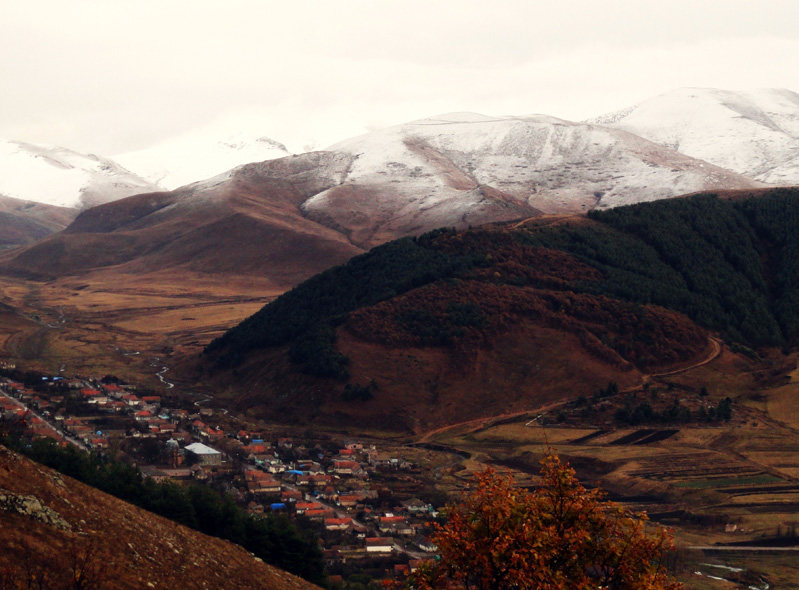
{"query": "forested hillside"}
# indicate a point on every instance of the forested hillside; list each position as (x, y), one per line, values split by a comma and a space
(730, 265)
(622, 282)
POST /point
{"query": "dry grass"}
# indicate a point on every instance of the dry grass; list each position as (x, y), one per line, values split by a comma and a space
(90, 324)
(783, 404)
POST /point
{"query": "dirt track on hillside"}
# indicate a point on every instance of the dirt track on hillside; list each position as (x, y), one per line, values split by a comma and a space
(478, 423)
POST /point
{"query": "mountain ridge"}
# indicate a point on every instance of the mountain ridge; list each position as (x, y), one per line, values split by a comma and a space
(62, 177)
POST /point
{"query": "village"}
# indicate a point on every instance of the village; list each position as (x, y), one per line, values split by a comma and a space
(339, 488)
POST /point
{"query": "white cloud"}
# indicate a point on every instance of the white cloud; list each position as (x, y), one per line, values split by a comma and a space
(114, 76)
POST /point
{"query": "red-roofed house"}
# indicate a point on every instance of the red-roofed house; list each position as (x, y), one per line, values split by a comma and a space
(301, 507)
(348, 500)
(291, 495)
(320, 514)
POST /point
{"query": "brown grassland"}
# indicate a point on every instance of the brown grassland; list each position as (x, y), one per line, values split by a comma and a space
(102, 322)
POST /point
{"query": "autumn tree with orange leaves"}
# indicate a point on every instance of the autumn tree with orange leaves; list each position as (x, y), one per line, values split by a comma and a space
(560, 536)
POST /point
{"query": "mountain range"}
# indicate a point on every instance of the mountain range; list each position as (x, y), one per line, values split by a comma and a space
(453, 170)
(457, 169)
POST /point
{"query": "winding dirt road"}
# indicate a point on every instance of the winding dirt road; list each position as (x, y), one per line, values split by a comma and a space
(470, 426)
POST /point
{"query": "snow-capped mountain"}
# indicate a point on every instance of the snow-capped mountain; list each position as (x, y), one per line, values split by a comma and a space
(753, 132)
(464, 168)
(290, 217)
(199, 155)
(62, 177)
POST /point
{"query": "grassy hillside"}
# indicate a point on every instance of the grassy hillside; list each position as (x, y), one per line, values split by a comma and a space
(59, 533)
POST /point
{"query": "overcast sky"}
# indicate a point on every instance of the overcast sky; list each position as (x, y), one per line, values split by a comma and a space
(109, 76)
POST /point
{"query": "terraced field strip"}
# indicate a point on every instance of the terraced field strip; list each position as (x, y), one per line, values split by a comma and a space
(657, 437)
(721, 482)
(587, 437)
(775, 489)
(702, 465)
(633, 437)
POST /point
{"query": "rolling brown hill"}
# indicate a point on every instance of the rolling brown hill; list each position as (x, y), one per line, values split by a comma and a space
(54, 528)
(23, 222)
(245, 223)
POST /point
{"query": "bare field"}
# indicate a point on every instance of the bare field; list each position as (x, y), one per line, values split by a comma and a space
(744, 474)
(126, 325)
(783, 404)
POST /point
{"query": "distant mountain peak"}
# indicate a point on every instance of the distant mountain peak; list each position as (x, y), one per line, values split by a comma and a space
(199, 155)
(62, 177)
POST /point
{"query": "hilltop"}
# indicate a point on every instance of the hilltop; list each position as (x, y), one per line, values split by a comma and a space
(457, 324)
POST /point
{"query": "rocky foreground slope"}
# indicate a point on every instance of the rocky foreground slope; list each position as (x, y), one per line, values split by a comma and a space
(54, 528)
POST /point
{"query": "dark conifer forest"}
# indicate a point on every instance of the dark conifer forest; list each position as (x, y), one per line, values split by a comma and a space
(731, 265)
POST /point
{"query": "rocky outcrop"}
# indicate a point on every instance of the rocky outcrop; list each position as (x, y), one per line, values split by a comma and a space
(32, 507)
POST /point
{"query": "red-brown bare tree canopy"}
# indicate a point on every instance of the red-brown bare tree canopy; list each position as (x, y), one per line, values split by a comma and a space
(560, 536)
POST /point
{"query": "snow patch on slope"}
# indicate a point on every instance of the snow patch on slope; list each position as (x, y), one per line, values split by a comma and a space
(753, 132)
(62, 177)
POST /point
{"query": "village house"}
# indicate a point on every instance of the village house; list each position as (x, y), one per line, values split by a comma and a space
(204, 455)
(260, 482)
(416, 506)
(394, 524)
(424, 544)
(379, 544)
(346, 467)
(320, 514)
(350, 500)
(302, 507)
(291, 495)
(338, 524)
(131, 399)
(154, 473)
(178, 473)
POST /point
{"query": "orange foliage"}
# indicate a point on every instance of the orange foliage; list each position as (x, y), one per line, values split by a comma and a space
(560, 536)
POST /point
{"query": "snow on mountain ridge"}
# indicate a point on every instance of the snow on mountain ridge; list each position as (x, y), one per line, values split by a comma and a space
(62, 177)
(753, 132)
(198, 155)
(464, 168)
